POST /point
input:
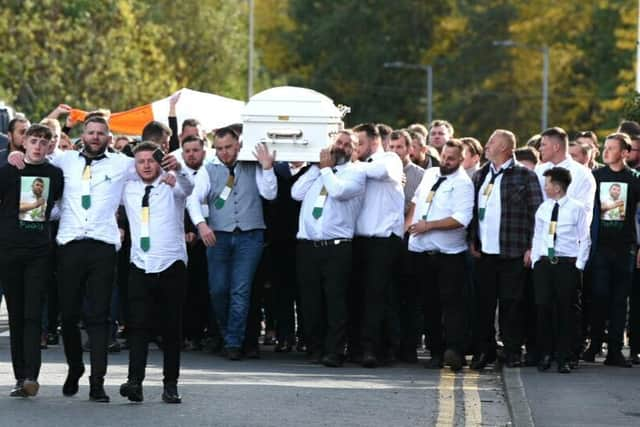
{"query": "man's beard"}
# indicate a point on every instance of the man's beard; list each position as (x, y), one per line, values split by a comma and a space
(341, 157)
(448, 171)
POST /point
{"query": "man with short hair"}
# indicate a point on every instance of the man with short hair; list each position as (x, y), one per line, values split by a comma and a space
(507, 197)
(559, 254)
(472, 155)
(581, 153)
(440, 131)
(633, 159)
(26, 198)
(378, 246)
(439, 214)
(590, 138)
(615, 251)
(419, 152)
(159, 133)
(331, 195)
(234, 231)
(16, 132)
(385, 133)
(157, 273)
(400, 143)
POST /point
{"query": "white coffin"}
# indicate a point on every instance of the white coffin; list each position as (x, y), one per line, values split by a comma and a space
(294, 121)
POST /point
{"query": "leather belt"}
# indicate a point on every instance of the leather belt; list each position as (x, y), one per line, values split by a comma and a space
(559, 259)
(324, 243)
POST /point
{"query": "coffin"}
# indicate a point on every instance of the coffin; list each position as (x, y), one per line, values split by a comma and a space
(294, 121)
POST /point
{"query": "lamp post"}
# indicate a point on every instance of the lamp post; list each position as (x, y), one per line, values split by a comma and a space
(250, 64)
(428, 69)
(545, 74)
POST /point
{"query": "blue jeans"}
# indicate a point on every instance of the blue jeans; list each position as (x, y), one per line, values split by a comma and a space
(612, 277)
(232, 264)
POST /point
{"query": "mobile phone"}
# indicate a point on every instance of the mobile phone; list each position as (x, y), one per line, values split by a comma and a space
(158, 155)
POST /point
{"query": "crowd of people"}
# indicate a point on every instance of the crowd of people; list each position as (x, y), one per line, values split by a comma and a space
(393, 241)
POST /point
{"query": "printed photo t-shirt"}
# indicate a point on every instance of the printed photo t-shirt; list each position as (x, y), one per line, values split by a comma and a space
(617, 196)
(26, 199)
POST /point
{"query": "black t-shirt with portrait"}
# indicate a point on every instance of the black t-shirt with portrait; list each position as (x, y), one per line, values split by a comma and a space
(26, 199)
(617, 195)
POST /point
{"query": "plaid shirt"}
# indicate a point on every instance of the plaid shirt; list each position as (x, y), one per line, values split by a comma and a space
(520, 197)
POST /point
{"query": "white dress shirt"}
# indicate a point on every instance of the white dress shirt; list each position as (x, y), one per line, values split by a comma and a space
(582, 187)
(489, 227)
(452, 199)
(166, 222)
(345, 193)
(382, 212)
(108, 177)
(265, 179)
(572, 231)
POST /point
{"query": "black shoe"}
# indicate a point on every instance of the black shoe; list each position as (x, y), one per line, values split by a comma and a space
(252, 353)
(170, 394)
(616, 358)
(589, 355)
(563, 367)
(70, 387)
(18, 390)
(314, 357)
(301, 347)
(132, 391)
(268, 340)
(512, 360)
(53, 339)
(283, 347)
(114, 347)
(480, 361)
(434, 363)
(635, 359)
(453, 359)
(332, 360)
(234, 353)
(97, 393)
(369, 360)
(544, 363)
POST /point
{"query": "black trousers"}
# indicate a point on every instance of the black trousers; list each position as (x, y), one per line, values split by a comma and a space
(442, 281)
(323, 278)
(634, 314)
(373, 287)
(285, 290)
(164, 291)
(408, 302)
(196, 312)
(24, 274)
(503, 280)
(86, 275)
(556, 291)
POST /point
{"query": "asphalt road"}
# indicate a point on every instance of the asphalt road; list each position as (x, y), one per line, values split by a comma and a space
(277, 390)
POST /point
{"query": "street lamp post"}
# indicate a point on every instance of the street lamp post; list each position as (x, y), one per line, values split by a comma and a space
(251, 52)
(428, 69)
(545, 74)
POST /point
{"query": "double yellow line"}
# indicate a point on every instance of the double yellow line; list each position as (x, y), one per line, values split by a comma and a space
(447, 399)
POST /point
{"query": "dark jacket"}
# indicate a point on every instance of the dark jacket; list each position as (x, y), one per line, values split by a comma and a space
(520, 197)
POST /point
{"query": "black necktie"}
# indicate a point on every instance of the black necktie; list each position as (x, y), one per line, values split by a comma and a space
(495, 175)
(145, 198)
(554, 221)
(370, 160)
(88, 160)
(437, 184)
(86, 179)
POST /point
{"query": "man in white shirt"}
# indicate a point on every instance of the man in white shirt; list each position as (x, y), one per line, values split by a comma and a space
(554, 152)
(331, 195)
(441, 210)
(157, 275)
(559, 252)
(378, 246)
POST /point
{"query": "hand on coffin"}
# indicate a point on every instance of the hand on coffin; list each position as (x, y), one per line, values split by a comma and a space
(266, 159)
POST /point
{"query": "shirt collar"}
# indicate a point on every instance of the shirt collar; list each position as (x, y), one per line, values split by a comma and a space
(563, 201)
(505, 165)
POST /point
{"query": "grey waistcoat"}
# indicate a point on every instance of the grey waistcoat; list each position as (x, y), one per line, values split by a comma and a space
(243, 208)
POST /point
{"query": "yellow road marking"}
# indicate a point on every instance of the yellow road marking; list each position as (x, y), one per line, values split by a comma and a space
(472, 405)
(446, 399)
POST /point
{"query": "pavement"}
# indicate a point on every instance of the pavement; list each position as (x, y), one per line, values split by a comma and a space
(276, 390)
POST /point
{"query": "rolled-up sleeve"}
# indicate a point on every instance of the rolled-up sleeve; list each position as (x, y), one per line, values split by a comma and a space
(463, 204)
